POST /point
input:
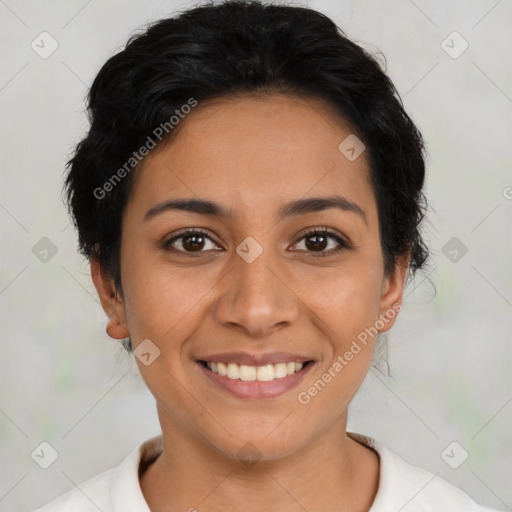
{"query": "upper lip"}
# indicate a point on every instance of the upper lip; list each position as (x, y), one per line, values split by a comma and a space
(248, 359)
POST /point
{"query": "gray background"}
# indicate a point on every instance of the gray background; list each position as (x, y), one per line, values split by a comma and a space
(62, 380)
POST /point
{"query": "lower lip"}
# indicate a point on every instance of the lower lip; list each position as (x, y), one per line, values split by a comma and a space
(255, 388)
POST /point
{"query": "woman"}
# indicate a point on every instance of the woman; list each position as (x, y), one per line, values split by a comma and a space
(249, 196)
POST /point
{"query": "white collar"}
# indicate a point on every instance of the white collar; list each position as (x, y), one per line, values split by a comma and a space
(126, 494)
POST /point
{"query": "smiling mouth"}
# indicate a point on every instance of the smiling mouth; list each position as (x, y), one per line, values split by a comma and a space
(264, 373)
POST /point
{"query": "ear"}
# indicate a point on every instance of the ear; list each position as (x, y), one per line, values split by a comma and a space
(392, 292)
(111, 301)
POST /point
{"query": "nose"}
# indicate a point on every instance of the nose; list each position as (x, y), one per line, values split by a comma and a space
(257, 298)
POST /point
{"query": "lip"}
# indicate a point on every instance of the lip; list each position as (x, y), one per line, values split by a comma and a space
(255, 359)
(255, 389)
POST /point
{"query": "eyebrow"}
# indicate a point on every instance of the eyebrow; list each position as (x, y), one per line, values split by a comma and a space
(294, 208)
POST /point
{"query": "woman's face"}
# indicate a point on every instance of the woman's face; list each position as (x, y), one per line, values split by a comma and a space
(253, 287)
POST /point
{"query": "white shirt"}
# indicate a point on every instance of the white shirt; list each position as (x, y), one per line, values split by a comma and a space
(402, 486)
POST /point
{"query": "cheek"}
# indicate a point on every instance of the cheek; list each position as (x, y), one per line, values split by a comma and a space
(345, 309)
(346, 300)
(163, 304)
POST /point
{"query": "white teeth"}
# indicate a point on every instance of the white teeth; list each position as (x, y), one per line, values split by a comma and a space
(280, 370)
(265, 373)
(222, 369)
(233, 371)
(246, 372)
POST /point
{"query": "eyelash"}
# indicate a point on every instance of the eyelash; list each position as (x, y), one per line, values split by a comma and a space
(342, 244)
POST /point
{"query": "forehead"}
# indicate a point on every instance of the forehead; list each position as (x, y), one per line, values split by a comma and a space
(252, 152)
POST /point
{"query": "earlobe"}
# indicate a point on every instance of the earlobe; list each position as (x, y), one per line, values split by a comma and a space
(116, 330)
(111, 303)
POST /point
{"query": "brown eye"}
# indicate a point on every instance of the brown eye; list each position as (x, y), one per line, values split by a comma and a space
(317, 241)
(191, 241)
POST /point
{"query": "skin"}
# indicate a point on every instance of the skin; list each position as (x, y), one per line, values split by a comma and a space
(252, 155)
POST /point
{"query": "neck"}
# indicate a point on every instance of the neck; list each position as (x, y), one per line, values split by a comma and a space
(331, 472)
